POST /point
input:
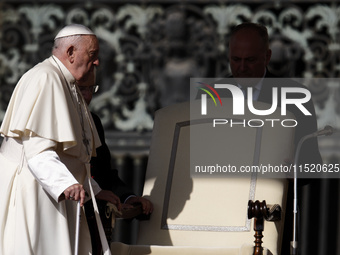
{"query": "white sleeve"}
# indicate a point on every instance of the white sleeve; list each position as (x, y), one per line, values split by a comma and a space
(45, 165)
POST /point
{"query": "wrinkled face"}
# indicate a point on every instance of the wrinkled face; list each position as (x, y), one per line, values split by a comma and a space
(85, 57)
(248, 55)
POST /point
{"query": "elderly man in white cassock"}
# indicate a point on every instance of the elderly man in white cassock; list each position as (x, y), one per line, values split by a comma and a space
(49, 138)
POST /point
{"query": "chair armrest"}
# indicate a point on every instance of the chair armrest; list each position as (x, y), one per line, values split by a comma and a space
(260, 212)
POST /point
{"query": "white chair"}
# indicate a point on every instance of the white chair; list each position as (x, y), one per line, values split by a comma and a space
(206, 213)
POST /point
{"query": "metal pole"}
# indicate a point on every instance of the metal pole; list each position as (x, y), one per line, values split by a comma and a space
(76, 245)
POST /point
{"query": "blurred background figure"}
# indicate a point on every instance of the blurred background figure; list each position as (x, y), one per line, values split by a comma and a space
(107, 177)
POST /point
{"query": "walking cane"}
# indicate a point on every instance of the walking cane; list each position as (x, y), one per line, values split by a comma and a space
(76, 246)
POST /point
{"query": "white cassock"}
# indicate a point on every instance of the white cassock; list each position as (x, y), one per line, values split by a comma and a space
(42, 154)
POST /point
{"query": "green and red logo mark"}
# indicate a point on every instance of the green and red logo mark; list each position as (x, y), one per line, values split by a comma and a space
(204, 96)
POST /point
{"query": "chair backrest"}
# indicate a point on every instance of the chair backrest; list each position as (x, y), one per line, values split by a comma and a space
(210, 210)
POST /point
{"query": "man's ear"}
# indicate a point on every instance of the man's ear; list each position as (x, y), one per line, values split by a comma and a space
(70, 54)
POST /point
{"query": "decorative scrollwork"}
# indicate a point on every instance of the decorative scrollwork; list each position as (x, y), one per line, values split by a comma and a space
(149, 51)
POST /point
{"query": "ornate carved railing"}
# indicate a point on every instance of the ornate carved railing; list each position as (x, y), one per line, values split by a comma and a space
(149, 49)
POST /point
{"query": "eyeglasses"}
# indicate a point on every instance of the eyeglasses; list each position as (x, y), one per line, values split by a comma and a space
(92, 89)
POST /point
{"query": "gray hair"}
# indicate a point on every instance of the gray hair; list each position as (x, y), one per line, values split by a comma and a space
(259, 28)
(60, 44)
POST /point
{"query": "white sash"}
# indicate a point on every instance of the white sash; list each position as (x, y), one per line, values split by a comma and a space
(105, 245)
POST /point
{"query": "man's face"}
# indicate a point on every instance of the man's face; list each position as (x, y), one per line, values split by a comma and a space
(85, 57)
(86, 86)
(248, 55)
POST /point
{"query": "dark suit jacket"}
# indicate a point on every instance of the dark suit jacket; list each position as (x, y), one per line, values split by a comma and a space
(102, 172)
(101, 169)
(306, 124)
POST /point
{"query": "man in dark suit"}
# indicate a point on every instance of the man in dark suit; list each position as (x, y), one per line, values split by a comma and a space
(249, 55)
(104, 175)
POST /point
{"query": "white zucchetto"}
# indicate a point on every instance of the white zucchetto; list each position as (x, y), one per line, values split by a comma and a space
(74, 29)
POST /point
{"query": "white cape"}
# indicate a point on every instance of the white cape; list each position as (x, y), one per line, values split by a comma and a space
(31, 221)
